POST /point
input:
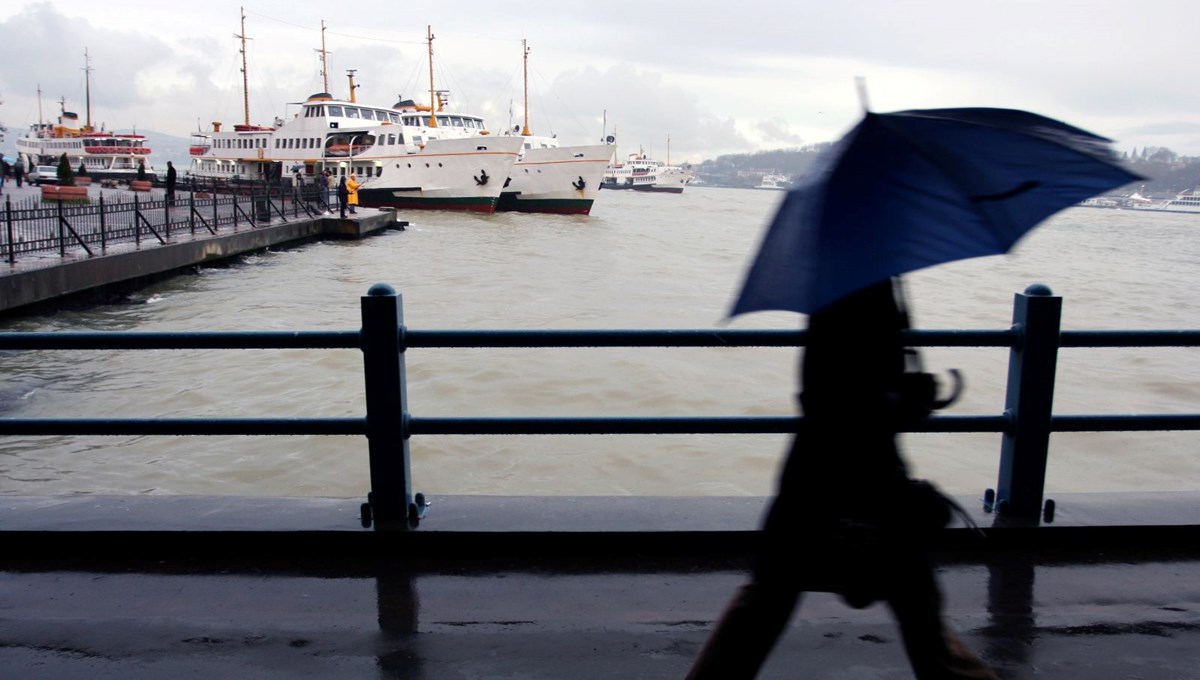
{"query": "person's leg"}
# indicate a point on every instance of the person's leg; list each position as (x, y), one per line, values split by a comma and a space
(744, 635)
(934, 651)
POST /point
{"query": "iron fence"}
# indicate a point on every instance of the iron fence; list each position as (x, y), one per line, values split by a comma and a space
(1025, 424)
(198, 210)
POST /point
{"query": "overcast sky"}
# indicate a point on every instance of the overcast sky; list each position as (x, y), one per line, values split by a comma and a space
(710, 77)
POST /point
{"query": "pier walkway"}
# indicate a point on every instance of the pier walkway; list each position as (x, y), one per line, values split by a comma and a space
(544, 588)
(40, 277)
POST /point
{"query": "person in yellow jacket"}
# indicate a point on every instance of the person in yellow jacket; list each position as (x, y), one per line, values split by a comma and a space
(352, 192)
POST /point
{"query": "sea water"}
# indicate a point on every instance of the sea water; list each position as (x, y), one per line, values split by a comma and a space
(657, 261)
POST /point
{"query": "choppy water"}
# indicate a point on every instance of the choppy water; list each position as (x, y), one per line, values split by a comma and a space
(640, 261)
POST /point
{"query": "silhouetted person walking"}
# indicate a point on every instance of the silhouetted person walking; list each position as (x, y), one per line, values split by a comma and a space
(170, 183)
(847, 517)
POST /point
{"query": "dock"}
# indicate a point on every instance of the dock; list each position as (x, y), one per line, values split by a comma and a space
(38, 278)
(549, 589)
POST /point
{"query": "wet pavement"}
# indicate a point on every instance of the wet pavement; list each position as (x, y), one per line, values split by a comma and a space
(103, 606)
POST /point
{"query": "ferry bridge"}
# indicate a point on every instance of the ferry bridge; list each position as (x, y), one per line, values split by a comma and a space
(1095, 585)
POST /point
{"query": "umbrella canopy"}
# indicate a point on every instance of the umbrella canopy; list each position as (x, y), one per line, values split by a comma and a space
(907, 190)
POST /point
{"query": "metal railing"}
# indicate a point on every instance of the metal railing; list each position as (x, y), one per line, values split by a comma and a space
(201, 209)
(1025, 424)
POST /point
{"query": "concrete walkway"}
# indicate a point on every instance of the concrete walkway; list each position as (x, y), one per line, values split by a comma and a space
(135, 602)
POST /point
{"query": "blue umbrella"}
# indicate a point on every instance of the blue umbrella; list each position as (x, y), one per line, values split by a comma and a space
(907, 190)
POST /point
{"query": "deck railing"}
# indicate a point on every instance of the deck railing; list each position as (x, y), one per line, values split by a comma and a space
(200, 209)
(1025, 424)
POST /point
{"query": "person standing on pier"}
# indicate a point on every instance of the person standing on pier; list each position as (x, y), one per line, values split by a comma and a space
(19, 171)
(847, 518)
(170, 183)
(343, 195)
(3, 173)
(352, 193)
(323, 187)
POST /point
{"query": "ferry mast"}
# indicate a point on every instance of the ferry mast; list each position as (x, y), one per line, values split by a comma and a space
(245, 73)
(525, 54)
(324, 59)
(87, 89)
(432, 101)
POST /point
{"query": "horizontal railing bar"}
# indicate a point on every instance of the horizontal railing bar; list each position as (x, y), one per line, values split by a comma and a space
(107, 340)
(1166, 338)
(434, 339)
(666, 425)
(1126, 423)
(558, 425)
(674, 338)
(182, 426)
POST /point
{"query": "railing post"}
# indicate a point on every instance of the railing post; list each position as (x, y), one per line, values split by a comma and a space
(1037, 318)
(12, 245)
(62, 231)
(103, 227)
(137, 223)
(391, 500)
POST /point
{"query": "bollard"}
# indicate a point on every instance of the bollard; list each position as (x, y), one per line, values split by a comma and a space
(391, 503)
(1037, 318)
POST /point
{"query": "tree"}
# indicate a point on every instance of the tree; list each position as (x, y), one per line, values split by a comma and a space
(82, 170)
(65, 177)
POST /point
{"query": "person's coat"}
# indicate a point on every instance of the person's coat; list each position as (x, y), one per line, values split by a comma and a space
(342, 191)
(352, 191)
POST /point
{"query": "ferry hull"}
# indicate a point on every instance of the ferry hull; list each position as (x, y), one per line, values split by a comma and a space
(649, 188)
(510, 202)
(560, 180)
(381, 198)
(447, 174)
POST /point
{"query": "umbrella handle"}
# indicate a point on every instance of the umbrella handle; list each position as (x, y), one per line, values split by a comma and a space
(939, 404)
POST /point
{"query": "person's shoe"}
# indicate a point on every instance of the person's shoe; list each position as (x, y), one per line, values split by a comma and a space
(961, 662)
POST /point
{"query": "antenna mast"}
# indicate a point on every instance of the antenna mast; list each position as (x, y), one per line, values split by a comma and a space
(245, 75)
(325, 60)
(525, 50)
(87, 80)
(432, 101)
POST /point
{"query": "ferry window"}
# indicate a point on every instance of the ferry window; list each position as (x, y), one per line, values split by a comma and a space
(379, 171)
(400, 138)
(335, 110)
(391, 140)
(394, 117)
(351, 112)
(443, 120)
(456, 121)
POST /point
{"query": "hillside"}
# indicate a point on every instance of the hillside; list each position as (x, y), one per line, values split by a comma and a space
(1167, 173)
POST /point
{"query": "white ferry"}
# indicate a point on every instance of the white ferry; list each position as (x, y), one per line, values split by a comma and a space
(546, 178)
(105, 155)
(1187, 201)
(396, 165)
(773, 182)
(639, 173)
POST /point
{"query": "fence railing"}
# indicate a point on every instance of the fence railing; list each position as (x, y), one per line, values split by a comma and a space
(1025, 424)
(31, 225)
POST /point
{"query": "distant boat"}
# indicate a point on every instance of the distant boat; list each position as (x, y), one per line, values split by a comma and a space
(775, 182)
(1184, 202)
(105, 155)
(640, 173)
